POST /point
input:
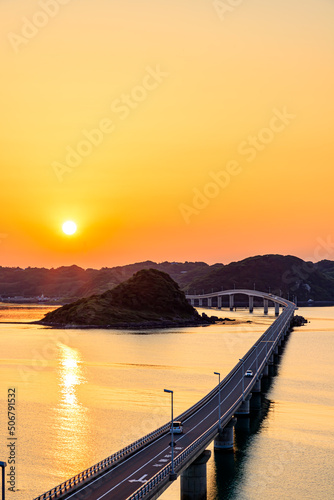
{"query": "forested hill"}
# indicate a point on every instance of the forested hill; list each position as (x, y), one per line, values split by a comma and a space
(150, 298)
(281, 274)
(278, 274)
(72, 282)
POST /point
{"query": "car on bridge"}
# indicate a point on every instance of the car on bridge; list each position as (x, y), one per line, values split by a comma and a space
(249, 373)
(177, 427)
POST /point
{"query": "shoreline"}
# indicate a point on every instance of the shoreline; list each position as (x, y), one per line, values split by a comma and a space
(316, 303)
(145, 325)
(125, 326)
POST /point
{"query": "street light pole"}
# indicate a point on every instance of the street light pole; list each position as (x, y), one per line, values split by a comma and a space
(217, 373)
(243, 376)
(172, 443)
(3, 465)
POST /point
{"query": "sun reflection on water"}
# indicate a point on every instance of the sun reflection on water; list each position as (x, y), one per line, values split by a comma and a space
(71, 417)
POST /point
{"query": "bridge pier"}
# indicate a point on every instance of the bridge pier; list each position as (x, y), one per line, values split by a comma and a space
(276, 309)
(257, 385)
(210, 302)
(231, 302)
(256, 401)
(225, 439)
(219, 301)
(193, 479)
(193, 475)
(244, 408)
(200, 302)
(243, 425)
(251, 303)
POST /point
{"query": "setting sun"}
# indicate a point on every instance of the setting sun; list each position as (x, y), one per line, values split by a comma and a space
(69, 227)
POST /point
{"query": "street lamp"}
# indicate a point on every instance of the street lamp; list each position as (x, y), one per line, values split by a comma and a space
(243, 376)
(172, 475)
(3, 465)
(217, 373)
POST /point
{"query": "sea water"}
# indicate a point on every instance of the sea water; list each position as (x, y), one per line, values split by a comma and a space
(80, 395)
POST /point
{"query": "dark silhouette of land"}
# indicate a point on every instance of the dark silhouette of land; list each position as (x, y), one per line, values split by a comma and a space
(150, 299)
(282, 275)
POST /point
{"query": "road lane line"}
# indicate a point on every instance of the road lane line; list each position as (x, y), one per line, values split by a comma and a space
(156, 440)
(114, 468)
(126, 479)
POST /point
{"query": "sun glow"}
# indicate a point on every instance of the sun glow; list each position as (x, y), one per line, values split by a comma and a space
(69, 227)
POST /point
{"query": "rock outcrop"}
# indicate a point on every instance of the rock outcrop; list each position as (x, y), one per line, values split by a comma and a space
(149, 299)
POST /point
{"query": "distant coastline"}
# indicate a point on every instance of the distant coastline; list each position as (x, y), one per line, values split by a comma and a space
(283, 275)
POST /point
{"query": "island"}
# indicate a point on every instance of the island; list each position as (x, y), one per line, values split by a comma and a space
(149, 299)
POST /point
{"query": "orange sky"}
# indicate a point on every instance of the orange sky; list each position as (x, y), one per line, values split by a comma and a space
(215, 137)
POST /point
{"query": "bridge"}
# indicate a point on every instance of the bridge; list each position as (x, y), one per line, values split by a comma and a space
(216, 298)
(144, 469)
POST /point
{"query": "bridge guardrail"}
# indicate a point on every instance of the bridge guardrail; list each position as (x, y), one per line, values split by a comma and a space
(208, 396)
(164, 473)
(191, 449)
(205, 438)
(114, 459)
(108, 463)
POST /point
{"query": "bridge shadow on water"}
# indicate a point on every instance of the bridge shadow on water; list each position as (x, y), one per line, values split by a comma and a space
(230, 467)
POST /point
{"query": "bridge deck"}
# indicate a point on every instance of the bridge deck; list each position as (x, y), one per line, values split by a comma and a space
(133, 472)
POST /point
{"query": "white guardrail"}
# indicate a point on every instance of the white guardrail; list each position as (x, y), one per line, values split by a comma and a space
(163, 476)
(72, 484)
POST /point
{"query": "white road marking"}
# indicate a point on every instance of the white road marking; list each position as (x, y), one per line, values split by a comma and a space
(158, 439)
(122, 463)
(141, 480)
(126, 479)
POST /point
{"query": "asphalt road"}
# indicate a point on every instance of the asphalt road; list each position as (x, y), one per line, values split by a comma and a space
(125, 478)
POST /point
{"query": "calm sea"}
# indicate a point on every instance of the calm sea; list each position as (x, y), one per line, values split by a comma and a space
(83, 394)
